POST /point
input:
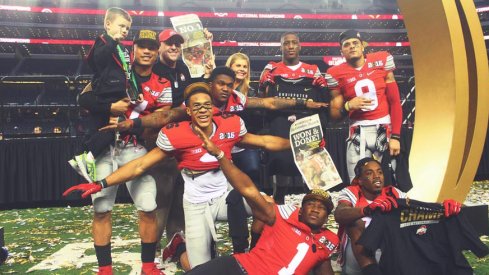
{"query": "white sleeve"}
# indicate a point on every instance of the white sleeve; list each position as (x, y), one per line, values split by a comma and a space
(332, 82)
(286, 210)
(242, 130)
(347, 195)
(164, 143)
(389, 63)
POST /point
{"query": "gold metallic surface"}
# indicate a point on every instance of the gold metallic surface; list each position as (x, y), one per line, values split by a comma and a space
(452, 95)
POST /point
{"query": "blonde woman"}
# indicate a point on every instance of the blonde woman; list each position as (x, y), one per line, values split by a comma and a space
(240, 64)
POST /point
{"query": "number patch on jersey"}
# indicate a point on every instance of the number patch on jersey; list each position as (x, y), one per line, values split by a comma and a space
(296, 261)
(366, 88)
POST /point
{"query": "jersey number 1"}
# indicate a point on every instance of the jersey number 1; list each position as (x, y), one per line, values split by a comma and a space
(299, 256)
(371, 92)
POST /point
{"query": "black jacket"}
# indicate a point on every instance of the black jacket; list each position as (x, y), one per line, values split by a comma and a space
(109, 79)
(180, 78)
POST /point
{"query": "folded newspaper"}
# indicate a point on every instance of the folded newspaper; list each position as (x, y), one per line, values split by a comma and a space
(196, 50)
(314, 162)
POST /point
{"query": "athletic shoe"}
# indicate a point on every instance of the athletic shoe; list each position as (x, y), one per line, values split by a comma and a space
(90, 162)
(151, 269)
(83, 168)
(105, 270)
(170, 249)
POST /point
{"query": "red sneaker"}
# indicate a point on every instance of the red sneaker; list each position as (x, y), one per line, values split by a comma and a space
(171, 247)
(151, 269)
(105, 270)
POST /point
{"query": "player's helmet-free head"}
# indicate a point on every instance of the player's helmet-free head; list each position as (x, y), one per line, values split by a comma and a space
(320, 195)
(197, 87)
(358, 168)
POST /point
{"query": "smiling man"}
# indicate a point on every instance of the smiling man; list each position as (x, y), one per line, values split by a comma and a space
(355, 206)
(293, 239)
(205, 187)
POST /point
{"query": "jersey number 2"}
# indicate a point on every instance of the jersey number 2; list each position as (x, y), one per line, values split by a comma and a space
(366, 88)
(299, 256)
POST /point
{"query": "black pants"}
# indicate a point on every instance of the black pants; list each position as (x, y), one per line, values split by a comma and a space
(221, 265)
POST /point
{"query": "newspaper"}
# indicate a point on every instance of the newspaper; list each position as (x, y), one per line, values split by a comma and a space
(196, 50)
(314, 162)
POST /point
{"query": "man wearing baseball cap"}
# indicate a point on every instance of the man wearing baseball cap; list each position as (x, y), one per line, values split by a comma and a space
(142, 189)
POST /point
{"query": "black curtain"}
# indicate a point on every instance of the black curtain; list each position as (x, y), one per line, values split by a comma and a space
(35, 170)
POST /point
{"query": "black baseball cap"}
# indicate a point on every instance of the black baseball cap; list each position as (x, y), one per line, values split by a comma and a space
(349, 34)
(320, 195)
(147, 35)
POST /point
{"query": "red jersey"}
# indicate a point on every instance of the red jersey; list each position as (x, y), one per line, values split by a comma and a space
(180, 140)
(236, 103)
(369, 81)
(157, 93)
(293, 72)
(288, 246)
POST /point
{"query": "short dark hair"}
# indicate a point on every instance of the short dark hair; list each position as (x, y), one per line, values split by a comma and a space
(361, 163)
(287, 33)
(222, 70)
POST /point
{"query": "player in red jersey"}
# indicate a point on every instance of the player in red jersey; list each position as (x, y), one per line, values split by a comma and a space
(364, 88)
(293, 240)
(290, 78)
(205, 184)
(356, 203)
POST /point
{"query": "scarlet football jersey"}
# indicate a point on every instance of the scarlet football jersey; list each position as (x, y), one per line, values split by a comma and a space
(236, 103)
(368, 81)
(157, 93)
(293, 72)
(180, 140)
(288, 246)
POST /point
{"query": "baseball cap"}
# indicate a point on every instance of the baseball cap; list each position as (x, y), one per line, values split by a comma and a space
(320, 195)
(146, 35)
(349, 34)
(169, 33)
(197, 86)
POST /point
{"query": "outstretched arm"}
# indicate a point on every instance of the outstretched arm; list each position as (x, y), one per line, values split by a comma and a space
(154, 120)
(267, 142)
(127, 172)
(262, 209)
(277, 103)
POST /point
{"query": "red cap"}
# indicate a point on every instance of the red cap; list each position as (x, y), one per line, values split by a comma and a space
(169, 33)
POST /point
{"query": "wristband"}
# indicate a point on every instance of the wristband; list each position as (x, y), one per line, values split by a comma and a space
(347, 106)
(102, 183)
(396, 137)
(300, 102)
(137, 123)
(220, 156)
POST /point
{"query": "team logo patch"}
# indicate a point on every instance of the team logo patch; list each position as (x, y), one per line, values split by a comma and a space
(226, 135)
(421, 230)
(297, 231)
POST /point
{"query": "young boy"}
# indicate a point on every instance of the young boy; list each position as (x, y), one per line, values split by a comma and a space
(112, 81)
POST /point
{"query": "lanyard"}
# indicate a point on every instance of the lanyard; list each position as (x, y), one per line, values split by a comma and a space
(133, 89)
